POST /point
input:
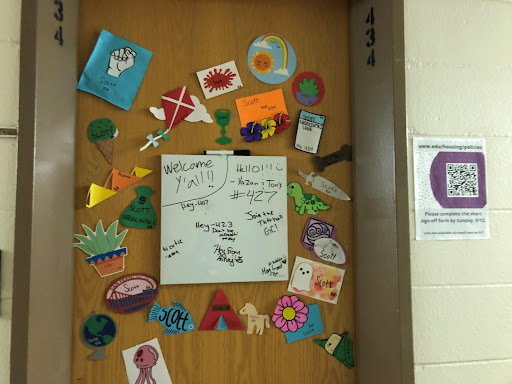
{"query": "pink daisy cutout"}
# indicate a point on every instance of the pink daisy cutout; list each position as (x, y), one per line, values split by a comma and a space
(290, 314)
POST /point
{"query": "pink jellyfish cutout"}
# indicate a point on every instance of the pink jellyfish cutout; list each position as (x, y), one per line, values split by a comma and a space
(145, 359)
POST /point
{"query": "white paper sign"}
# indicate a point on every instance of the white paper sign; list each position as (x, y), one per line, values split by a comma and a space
(224, 219)
(219, 80)
(450, 189)
(145, 364)
(309, 131)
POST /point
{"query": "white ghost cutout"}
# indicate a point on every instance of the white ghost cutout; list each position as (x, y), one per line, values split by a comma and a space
(302, 277)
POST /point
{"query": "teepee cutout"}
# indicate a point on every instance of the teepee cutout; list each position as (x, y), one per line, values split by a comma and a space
(220, 315)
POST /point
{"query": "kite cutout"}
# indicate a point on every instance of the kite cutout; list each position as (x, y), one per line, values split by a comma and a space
(199, 114)
(220, 315)
(104, 247)
(177, 106)
(118, 181)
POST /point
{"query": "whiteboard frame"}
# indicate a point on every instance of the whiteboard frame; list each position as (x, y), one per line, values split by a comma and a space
(43, 264)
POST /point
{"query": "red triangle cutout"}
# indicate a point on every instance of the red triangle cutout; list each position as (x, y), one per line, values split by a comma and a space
(220, 307)
(177, 105)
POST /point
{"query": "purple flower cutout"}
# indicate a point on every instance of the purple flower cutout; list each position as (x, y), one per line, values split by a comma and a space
(252, 132)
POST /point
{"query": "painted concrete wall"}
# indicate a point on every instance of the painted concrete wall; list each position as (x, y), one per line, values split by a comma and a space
(459, 84)
(9, 77)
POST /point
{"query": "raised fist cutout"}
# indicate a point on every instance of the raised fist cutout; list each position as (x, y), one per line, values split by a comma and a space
(121, 60)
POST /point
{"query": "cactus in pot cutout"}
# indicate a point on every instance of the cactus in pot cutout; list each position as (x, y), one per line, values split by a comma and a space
(104, 248)
(308, 88)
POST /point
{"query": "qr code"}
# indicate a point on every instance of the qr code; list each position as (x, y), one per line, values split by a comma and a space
(462, 179)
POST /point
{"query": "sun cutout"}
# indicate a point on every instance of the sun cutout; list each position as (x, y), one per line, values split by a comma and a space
(262, 62)
(218, 80)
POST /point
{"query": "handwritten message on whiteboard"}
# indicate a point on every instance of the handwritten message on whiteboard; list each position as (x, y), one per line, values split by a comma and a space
(224, 219)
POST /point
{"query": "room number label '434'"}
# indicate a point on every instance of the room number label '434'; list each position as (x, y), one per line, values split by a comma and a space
(59, 16)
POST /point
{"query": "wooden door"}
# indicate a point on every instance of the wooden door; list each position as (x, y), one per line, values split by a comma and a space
(187, 36)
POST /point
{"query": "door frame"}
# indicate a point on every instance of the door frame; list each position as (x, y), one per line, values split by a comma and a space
(43, 264)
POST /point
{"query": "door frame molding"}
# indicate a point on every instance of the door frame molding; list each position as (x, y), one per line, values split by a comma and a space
(46, 162)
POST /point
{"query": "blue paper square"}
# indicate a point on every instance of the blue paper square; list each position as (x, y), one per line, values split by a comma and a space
(313, 326)
(109, 73)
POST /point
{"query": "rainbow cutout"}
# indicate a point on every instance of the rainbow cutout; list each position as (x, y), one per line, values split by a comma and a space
(279, 40)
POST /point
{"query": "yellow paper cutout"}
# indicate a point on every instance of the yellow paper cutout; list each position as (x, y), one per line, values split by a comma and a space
(259, 107)
(97, 194)
(141, 172)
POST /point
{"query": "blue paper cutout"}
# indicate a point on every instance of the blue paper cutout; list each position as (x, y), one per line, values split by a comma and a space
(115, 70)
(313, 326)
(271, 59)
(221, 325)
(152, 140)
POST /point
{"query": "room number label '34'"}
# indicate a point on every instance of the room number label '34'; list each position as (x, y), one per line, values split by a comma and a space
(59, 16)
(370, 42)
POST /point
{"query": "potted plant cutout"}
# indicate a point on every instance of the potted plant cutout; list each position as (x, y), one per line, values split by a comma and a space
(104, 247)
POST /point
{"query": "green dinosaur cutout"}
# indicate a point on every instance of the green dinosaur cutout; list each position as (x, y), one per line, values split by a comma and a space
(305, 202)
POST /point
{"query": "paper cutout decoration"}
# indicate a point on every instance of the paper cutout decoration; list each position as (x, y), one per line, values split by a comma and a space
(344, 153)
(339, 346)
(313, 326)
(102, 132)
(219, 80)
(140, 213)
(323, 185)
(96, 332)
(115, 70)
(290, 314)
(220, 314)
(305, 202)
(97, 194)
(177, 106)
(320, 238)
(175, 319)
(104, 248)
(309, 131)
(319, 281)
(271, 59)
(259, 107)
(118, 181)
(254, 320)
(308, 88)
(199, 114)
(145, 364)
(222, 118)
(131, 293)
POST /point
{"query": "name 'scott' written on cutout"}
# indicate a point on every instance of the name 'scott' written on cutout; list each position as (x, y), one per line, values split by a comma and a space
(224, 219)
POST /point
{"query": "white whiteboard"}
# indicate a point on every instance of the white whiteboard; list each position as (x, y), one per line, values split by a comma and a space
(223, 219)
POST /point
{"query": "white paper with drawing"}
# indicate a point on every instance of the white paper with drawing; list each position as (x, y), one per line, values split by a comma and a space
(224, 219)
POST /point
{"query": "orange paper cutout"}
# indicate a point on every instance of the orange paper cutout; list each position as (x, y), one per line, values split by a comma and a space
(120, 180)
(259, 107)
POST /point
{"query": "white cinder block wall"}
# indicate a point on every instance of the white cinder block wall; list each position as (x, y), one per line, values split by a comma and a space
(9, 78)
(458, 56)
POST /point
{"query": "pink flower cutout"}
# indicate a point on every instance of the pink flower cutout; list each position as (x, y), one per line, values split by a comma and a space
(290, 314)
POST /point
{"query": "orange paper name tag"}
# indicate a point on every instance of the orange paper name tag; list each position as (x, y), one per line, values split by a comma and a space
(258, 107)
